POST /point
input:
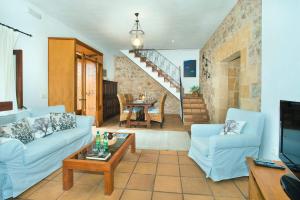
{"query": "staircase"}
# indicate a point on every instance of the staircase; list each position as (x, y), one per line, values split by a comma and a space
(168, 75)
(158, 67)
(194, 111)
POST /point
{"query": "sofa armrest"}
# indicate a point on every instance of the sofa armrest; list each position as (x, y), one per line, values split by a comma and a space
(205, 130)
(218, 142)
(84, 121)
(11, 150)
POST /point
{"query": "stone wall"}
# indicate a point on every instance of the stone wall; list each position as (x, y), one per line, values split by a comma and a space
(239, 36)
(132, 79)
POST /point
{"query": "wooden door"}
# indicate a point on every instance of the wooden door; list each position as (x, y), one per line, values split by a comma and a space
(89, 97)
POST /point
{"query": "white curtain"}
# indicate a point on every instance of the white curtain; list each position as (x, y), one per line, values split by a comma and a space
(8, 39)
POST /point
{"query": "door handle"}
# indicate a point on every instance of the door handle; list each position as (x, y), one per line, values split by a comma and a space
(82, 99)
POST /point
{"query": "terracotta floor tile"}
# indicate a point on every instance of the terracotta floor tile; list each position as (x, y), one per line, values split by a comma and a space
(168, 152)
(150, 151)
(78, 192)
(54, 174)
(166, 196)
(197, 197)
(98, 193)
(149, 158)
(31, 190)
(224, 189)
(167, 184)
(89, 179)
(145, 168)
(243, 186)
(168, 159)
(229, 198)
(125, 167)
(185, 160)
(136, 195)
(59, 177)
(168, 169)
(141, 182)
(191, 171)
(195, 186)
(182, 153)
(131, 156)
(121, 179)
(52, 190)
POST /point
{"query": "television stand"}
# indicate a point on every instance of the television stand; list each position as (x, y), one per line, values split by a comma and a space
(291, 186)
(264, 183)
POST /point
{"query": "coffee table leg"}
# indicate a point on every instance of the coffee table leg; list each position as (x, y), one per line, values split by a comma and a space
(67, 179)
(133, 145)
(108, 182)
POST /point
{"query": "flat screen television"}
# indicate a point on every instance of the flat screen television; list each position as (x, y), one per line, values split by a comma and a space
(289, 151)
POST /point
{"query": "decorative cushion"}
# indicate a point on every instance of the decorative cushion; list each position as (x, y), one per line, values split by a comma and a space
(232, 127)
(134, 110)
(63, 121)
(19, 130)
(41, 126)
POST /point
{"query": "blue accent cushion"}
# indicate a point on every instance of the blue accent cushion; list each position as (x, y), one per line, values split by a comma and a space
(153, 110)
(134, 110)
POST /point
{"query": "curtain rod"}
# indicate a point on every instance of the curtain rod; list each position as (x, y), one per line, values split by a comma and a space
(14, 29)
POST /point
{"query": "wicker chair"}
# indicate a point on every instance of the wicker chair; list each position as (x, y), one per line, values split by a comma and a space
(128, 97)
(136, 112)
(157, 114)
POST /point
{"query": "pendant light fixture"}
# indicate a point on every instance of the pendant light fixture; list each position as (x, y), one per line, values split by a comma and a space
(137, 34)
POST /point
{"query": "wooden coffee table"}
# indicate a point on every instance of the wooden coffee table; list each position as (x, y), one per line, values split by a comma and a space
(77, 161)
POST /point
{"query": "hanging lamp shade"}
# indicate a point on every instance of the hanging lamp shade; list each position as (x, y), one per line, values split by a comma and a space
(137, 34)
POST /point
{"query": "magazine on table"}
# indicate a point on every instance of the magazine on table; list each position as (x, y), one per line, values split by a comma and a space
(122, 135)
(97, 156)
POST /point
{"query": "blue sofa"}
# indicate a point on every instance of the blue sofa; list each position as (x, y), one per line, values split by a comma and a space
(22, 166)
(224, 156)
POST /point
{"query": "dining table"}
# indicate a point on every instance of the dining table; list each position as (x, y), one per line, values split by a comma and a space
(146, 104)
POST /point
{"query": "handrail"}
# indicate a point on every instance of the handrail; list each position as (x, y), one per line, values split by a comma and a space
(163, 63)
(160, 55)
(181, 93)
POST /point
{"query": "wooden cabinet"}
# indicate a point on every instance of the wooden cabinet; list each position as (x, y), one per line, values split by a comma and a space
(75, 75)
(111, 105)
(264, 183)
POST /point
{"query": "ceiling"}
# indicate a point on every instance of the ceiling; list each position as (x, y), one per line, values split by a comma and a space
(168, 24)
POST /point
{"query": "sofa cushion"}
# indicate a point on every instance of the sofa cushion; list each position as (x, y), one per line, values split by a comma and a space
(19, 130)
(232, 127)
(47, 145)
(63, 121)
(41, 126)
(201, 144)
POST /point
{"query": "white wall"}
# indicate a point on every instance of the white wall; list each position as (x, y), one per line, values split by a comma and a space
(180, 55)
(35, 50)
(280, 65)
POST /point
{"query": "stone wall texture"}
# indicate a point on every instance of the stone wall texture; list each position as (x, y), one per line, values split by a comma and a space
(239, 35)
(132, 79)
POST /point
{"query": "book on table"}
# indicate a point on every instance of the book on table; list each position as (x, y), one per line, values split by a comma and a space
(98, 156)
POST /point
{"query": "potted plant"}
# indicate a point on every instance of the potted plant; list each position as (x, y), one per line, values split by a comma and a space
(195, 90)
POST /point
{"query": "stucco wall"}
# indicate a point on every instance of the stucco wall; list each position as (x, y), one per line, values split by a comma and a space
(132, 79)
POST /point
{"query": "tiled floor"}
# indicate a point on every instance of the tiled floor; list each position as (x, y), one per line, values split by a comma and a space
(148, 174)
